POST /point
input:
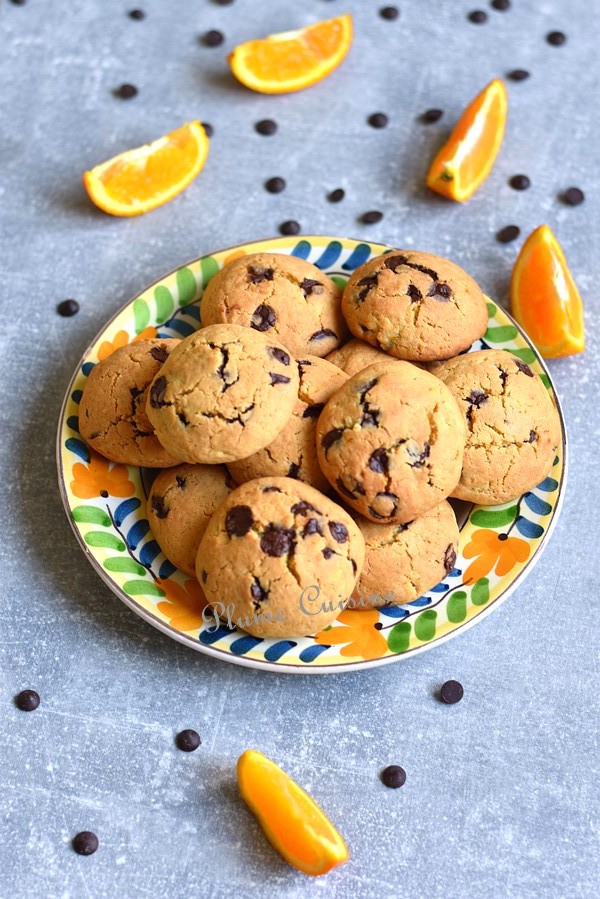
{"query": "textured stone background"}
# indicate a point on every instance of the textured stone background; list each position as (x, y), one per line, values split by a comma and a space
(501, 798)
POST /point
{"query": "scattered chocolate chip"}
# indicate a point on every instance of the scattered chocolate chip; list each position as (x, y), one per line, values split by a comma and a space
(430, 116)
(85, 843)
(449, 558)
(508, 233)
(337, 195)
(313, 411)
(331, 437)
(302, 508)
(451, 692)
(328, 553)
(278, 379)
(183, 418)
(277, 541)
(339, 531)
(573, 196)
(393, 777)
(518, 75)
(440, 291)
(187, 740)
(181, 482)
(238, 521)
(519, 182)
(312, 526)
(266, 127)
(477, 17)
(370, 417)
(208, 129)
(212, 38)
(419, 457)
(522, 366)
(258, 593)
(289, 228)
(204, 576)
(556, 38)
(389, 13)
(477, 398)
(310, 285)
(280, 355)
(157, 392)
(378, 120)
(126, 91)
(257, 274)
(379, 461)
(160, 354)
(414, 293)
(293, 470)
(500, 5)
(275, 185)
(158, 506)
(371, 217)
(343, 489)
(322, 334)
(366, 284)
(67, 308)
(263, 318)
(532, 437)
(136, 14)
(27, 700)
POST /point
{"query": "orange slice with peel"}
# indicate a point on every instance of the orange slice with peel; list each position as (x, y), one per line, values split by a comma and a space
(544, 298)
(292, 60)
(146, 177)
(467, 157)
(293, 822)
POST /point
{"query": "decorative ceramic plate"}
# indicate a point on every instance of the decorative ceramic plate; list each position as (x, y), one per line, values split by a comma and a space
(106, 504)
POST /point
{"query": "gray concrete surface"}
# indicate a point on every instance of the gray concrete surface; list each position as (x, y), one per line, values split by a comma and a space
(501, 798)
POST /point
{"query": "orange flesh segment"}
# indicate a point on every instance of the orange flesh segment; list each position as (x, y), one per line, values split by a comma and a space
(544, 298)
(293, 60)
(467, 157)
(291, 820)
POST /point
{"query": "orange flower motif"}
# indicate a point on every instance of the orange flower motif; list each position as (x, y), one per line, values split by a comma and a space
(358, 633)
(120, 339)
(100, 478)
(183, 605)
(491, 550)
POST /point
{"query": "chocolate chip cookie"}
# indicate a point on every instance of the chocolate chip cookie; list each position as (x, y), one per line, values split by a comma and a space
(281, 296)
(404, 561)
(391, 442)
(414, 306)
(180, 505)
(356, 355)
(513, 428)
(293, 453)
(279, 559)
(112, 412)
(224, 393)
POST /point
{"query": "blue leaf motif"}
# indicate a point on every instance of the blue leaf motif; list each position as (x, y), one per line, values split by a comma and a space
(244, 644)
(359, 255)
(78, 447)
(274, 652)
(421, 601)
(149, 552)
(193, 311)
(137, 533)
(73, 423)
(181, 327)
(548, 485)
(537, 505)
(439, 588)
(394, 611)
(301, 250)
(309, 654)
(87, 367)
(124, 509)
(166, 569)
(528, 528)
(330, 255)
(76, 396)
(208, 637)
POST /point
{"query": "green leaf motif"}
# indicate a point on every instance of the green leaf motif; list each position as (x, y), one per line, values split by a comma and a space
(129, 566)
(500, 334)
(141, 315)
(108, 541)
(493, 518)
(491, 309)
(399, 638)
(142, 588)
(546, 381)
(480, 594)
(525, 355)
(91, 515)
(425, 625)
(339, 280)
(164, 303)
(209, 267)
(186, 286)
(457, 607)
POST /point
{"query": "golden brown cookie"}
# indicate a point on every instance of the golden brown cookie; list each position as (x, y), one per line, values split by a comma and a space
(279, 559)
(281, 296)
(224, 393)
(180, 505)
(112, 412)
(356, 355)
(391, 442)
(293, 453)
(414, 306)
(404, 561)
(513, 428)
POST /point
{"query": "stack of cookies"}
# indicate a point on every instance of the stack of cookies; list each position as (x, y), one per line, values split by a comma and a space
(305, 471)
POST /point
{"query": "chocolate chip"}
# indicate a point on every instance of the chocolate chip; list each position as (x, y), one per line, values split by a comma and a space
(532, 437)
(293, 470)
(337, 195)
(157, 393)
(208, 129)
(302, 508)
(309, 285)
(414, 293)
(387, 498)
(430, 116)
(378, 120)
(393, 777)
(339, 531)
(266, 127)
(275, 185)
(331, 437)
(238, 521)
(366, 283)
(573, 196)
(67, 308)
(389, 13)
(518, 75)
(478, 17)
(477, 398)
(365, 388)
(27, 700)
(379, 461)
(419, 457)
(257, 274)
(263, 318)
(520, 182)
(136, 14)
(126, 91)
(500, 5)
(508, 233)
(370, 417)
(449, 558)
(343, 489)
(212, 38)
(270, 489)
(312, 526)
(277, 541)
(280, 355)
(328, 553)
(556, 38)
(204, 576)
(183, 418)
(323, 334)
(159, 353)
(85, 842)
(440, 291)
(522, 366)
(354, 566)
(258, 593)
(278, 379)
(289, 228)
(371, 217)
(187, 740)
(451, 692)
(394, 262)
(313, 411)
(158, 506)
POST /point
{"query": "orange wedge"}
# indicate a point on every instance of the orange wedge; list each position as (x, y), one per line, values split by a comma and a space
(544, 298)
(292, 60)
(292, 821)
(467, 157)
(146, 177)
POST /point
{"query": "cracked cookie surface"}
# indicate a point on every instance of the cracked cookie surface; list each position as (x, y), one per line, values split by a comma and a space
(356, 355)
(404, 561)
(391, 442)
(112, 411)
(278, 295)
(513, 428)
(293, 453)
(224, 393)
(283, 558)
(180, 504)
(414, 306)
